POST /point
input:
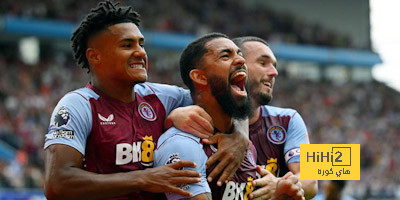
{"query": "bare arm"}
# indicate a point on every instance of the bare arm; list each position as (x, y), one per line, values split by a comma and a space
(271, 186)
(289, 188)
(191, 119)
(231, 147)
(231, 151)
(266, 185)
(64, 178)
(310, 187)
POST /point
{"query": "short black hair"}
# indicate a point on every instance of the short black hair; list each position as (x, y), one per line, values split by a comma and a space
(192, 54)
(240, 40)
(99, 18)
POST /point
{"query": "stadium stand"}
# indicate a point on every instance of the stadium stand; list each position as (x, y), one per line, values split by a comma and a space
(196, 17)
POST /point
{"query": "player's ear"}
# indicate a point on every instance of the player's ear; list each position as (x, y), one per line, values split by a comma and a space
(198, 76)
(93, 56)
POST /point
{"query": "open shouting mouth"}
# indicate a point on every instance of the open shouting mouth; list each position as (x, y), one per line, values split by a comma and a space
(237, 82)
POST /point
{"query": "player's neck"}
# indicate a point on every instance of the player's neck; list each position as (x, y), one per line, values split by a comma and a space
(221, 120)
(256, 114)
(115, 90)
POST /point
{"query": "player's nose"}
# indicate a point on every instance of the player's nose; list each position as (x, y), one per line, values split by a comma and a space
(272, 71)
(239, 60)
(139, 52)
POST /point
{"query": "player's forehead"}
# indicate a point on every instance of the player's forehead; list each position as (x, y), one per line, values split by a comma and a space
(116, 33)
(257, 49)
(217, 45)
(126, 30)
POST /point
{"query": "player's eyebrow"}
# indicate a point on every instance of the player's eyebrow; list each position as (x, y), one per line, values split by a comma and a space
(229, 51)
(265, 56)
(131, 40)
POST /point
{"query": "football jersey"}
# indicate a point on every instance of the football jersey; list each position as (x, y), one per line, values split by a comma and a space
(175, 145)
(114, 136)
(277, 136)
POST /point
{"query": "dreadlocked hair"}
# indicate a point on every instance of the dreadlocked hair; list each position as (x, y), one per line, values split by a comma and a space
(104, 15)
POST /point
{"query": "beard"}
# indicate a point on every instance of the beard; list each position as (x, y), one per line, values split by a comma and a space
(261, 98)
(236, 108)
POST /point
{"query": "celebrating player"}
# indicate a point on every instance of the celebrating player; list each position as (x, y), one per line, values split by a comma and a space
(213, 68)
(276, 132)
(101, 137)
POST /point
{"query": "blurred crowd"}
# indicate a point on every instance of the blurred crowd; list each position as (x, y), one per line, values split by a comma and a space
(234, 18)
(28, 95)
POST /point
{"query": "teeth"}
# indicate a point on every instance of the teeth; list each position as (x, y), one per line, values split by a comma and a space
(136, 66)
(240, 74)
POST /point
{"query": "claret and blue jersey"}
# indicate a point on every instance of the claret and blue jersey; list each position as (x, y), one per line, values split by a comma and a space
(114, 136)
(277, 136)
(175, 145)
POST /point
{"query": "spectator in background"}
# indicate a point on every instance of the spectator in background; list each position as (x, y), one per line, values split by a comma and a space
(192, 17)
(4, 179)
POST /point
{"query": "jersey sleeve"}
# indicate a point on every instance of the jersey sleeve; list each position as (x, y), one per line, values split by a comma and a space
(70, 123)
(176, 146)
(171, 96)
(297, 134)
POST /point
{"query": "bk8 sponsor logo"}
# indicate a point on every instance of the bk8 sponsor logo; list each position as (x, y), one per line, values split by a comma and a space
(136, 152)
(236, 191)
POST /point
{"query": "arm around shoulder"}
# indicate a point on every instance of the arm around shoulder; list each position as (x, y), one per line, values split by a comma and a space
(64, 178)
